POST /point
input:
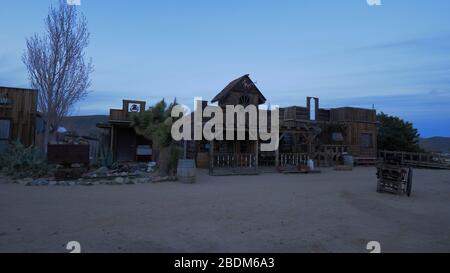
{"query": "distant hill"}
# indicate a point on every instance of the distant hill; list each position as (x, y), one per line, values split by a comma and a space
(435, 144)
(84, 125)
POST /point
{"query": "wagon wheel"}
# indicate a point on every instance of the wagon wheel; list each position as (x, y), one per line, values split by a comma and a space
(409, 183)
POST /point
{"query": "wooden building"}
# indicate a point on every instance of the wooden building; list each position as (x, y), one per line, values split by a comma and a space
(125, 144)
(306, 132)
(18, 113)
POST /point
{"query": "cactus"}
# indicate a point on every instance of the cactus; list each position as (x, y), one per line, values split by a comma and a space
(105, 157)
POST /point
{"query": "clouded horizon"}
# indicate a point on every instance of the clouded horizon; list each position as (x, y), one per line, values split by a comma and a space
(394, 57)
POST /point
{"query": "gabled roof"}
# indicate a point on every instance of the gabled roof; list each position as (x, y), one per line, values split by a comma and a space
(222, 94)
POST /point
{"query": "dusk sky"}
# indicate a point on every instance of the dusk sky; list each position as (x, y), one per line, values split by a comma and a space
(395, 56)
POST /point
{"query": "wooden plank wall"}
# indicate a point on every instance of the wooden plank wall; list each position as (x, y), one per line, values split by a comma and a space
(353, 114)
(353, 139)
(22, 113)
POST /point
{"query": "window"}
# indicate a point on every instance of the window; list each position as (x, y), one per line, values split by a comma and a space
(312, 109)
(5, 129)
(366, 140)
(244, 100)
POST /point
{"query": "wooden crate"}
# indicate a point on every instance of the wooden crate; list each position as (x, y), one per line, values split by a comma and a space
(67, 154)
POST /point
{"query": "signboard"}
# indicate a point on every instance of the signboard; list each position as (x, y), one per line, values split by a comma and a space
(134, 108)
(144, 150)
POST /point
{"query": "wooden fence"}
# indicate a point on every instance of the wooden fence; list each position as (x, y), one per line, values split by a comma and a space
(424, 160)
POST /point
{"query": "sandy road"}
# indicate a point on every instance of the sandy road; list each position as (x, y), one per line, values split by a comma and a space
(328, 212)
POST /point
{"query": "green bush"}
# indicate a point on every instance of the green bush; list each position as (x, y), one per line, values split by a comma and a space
(19, 161)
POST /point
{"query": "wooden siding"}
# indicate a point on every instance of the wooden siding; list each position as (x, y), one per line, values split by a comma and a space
(20, 106)
(353, 139)
(353, 114)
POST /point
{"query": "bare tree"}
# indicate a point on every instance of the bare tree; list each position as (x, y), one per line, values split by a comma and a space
(56, 65)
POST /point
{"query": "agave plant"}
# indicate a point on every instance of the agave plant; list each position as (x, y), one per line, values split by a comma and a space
(20, 161)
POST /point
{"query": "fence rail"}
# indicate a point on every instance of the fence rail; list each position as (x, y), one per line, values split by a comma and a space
(426, 160)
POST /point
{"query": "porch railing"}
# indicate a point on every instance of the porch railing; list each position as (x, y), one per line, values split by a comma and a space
(329, 155)
(229, 160)
(293, 159)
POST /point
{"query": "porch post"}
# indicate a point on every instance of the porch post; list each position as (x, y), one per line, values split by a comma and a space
(277, 157)
(211, 157)
(112, 140)
(256, 153)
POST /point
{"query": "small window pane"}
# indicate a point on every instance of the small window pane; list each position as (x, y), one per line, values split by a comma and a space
(366, 141)
(5, 127)
(337, 137)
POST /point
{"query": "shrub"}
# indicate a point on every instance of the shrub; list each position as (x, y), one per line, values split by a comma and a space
(19, 161)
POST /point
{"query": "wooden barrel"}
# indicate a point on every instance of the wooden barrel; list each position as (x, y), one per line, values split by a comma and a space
(203, 160)
(186, 171)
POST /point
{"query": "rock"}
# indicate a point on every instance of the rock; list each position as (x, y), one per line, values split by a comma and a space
(158, 179)
(38, 182)
(144, 180)
(136, 172)
(130, 182)
(25, 181)
(102, 171)
(119, 180)
(62, 183)
(151, 167)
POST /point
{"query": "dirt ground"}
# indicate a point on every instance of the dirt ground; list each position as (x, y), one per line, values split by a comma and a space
(328, 212)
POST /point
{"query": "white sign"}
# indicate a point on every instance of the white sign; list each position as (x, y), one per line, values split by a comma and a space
(134, 108)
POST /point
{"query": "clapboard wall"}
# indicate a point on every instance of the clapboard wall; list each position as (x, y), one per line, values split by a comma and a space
(18, 108)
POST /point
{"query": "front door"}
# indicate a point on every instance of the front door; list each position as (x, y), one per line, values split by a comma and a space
(126, 144)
